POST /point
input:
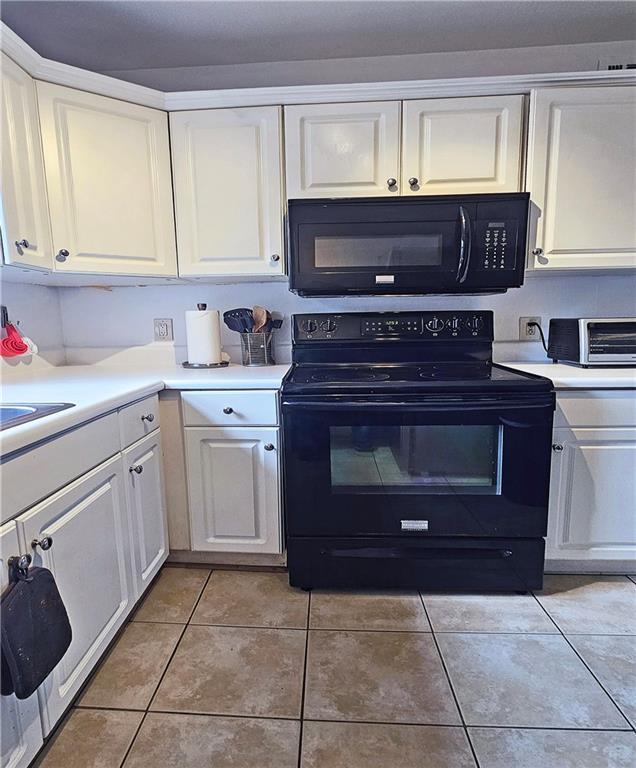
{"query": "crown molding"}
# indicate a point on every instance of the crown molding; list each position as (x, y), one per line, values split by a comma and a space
(63, 74)
(74, 77)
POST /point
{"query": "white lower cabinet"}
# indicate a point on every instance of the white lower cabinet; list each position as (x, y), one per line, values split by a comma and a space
(146, 507)
(91, 561)
(20, 720)
(233, 488)
(593, 494)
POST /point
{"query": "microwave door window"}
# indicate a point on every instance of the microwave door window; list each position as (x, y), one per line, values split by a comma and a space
(378, 252)
(432, 459)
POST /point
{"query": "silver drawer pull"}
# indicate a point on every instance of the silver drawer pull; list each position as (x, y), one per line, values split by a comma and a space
(227, 411)
(62, 255)
(137, 468)
(149, 417)
(557, 447)
(22, 244)
(269, 446)
(44, 543)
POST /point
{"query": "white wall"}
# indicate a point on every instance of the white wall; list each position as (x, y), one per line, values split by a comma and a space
(96, 323)
(36, 311)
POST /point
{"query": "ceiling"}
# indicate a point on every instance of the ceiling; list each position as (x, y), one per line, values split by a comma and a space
(122, 35)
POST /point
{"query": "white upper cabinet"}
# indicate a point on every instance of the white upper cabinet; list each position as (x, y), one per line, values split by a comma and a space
(25, 214)
(581, 161)
(342, 150)
(228, 191)
(467, 145)
(108, 178)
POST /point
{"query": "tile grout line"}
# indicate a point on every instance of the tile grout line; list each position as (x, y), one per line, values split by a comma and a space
(178, 643)
(450, 684)
(585, 664)
(302, 694)
(132, 741)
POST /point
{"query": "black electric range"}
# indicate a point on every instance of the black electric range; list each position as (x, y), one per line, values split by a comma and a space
(411, 459)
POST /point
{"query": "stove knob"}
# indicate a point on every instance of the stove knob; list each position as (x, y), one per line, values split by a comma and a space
(328, 326)
(434, 325)
(454, 324)
(309, 326)
(475, 323)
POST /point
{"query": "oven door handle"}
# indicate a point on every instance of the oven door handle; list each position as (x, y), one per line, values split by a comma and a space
(419, 553)
(463, 405)
(465, 244)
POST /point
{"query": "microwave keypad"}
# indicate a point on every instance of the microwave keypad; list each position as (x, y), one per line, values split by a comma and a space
(497, 244)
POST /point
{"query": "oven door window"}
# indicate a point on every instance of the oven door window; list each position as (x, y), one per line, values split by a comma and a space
(425, 459)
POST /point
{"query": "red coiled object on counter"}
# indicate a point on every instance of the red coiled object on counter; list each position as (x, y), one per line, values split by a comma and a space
(13, 344)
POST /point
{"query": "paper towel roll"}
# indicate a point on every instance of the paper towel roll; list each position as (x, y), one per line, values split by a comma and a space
(203, 336)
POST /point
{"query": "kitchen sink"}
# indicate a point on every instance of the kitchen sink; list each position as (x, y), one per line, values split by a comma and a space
(12, 414)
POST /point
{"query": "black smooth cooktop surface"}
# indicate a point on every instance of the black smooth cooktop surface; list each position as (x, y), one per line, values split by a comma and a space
(409, 377)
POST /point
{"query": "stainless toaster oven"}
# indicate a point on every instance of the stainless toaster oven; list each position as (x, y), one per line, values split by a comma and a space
(593, 341)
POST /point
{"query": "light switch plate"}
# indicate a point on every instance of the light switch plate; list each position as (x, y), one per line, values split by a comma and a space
(163, 329)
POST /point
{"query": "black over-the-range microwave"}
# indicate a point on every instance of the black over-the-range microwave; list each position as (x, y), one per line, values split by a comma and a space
(404, 245)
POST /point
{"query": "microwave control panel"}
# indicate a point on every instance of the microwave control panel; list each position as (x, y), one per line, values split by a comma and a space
(497, 244)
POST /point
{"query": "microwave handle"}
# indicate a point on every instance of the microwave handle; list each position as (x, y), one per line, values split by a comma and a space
(464, 245)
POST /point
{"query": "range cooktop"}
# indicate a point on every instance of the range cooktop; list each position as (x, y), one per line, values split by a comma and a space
(399, 352)
(407, 377)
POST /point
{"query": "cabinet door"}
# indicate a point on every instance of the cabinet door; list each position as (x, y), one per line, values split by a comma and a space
(25, 214)
(108, 178)
(20, 720)
(233, 489)
(592, 493)
(146, 508)
(342, 150)
(469, 145)
(91, 561)
(227, 177)
(581, 160)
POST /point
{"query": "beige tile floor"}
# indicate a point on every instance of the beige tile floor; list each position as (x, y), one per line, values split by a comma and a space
(234, 669)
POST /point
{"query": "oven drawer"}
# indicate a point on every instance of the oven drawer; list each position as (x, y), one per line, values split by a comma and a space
(440, 563)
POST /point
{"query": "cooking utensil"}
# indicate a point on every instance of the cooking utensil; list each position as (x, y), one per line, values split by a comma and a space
(239, 320)
(261, 316)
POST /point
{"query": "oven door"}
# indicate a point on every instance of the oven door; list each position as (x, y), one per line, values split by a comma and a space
(448, 466)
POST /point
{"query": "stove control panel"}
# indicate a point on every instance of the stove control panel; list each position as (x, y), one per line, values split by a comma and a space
(407, 326)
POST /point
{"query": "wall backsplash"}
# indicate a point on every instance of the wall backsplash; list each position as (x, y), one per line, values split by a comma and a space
(98, 323)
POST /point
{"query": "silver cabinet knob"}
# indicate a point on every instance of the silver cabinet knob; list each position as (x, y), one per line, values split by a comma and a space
(557, 447)
(227, 411)
(22, 244)
(149, 417)
(62, 255)
(44, 543)
(136, 468)
(413, 182)
(269, 446)
(275, 257)
(537, 252)
(391, 182)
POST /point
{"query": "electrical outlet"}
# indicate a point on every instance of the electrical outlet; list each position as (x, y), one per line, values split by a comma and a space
(529, 332)
(163, 329)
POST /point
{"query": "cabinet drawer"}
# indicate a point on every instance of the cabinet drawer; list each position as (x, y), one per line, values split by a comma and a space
(596, 408)
(231, 408)
(138, 420)
(47, 467)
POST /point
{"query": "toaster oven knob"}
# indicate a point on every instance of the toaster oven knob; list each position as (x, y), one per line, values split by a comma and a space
(328, 326)
(309, 326)
(454, 324)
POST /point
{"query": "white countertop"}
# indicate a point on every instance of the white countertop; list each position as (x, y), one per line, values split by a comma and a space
(96, 390)
(573, 377)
